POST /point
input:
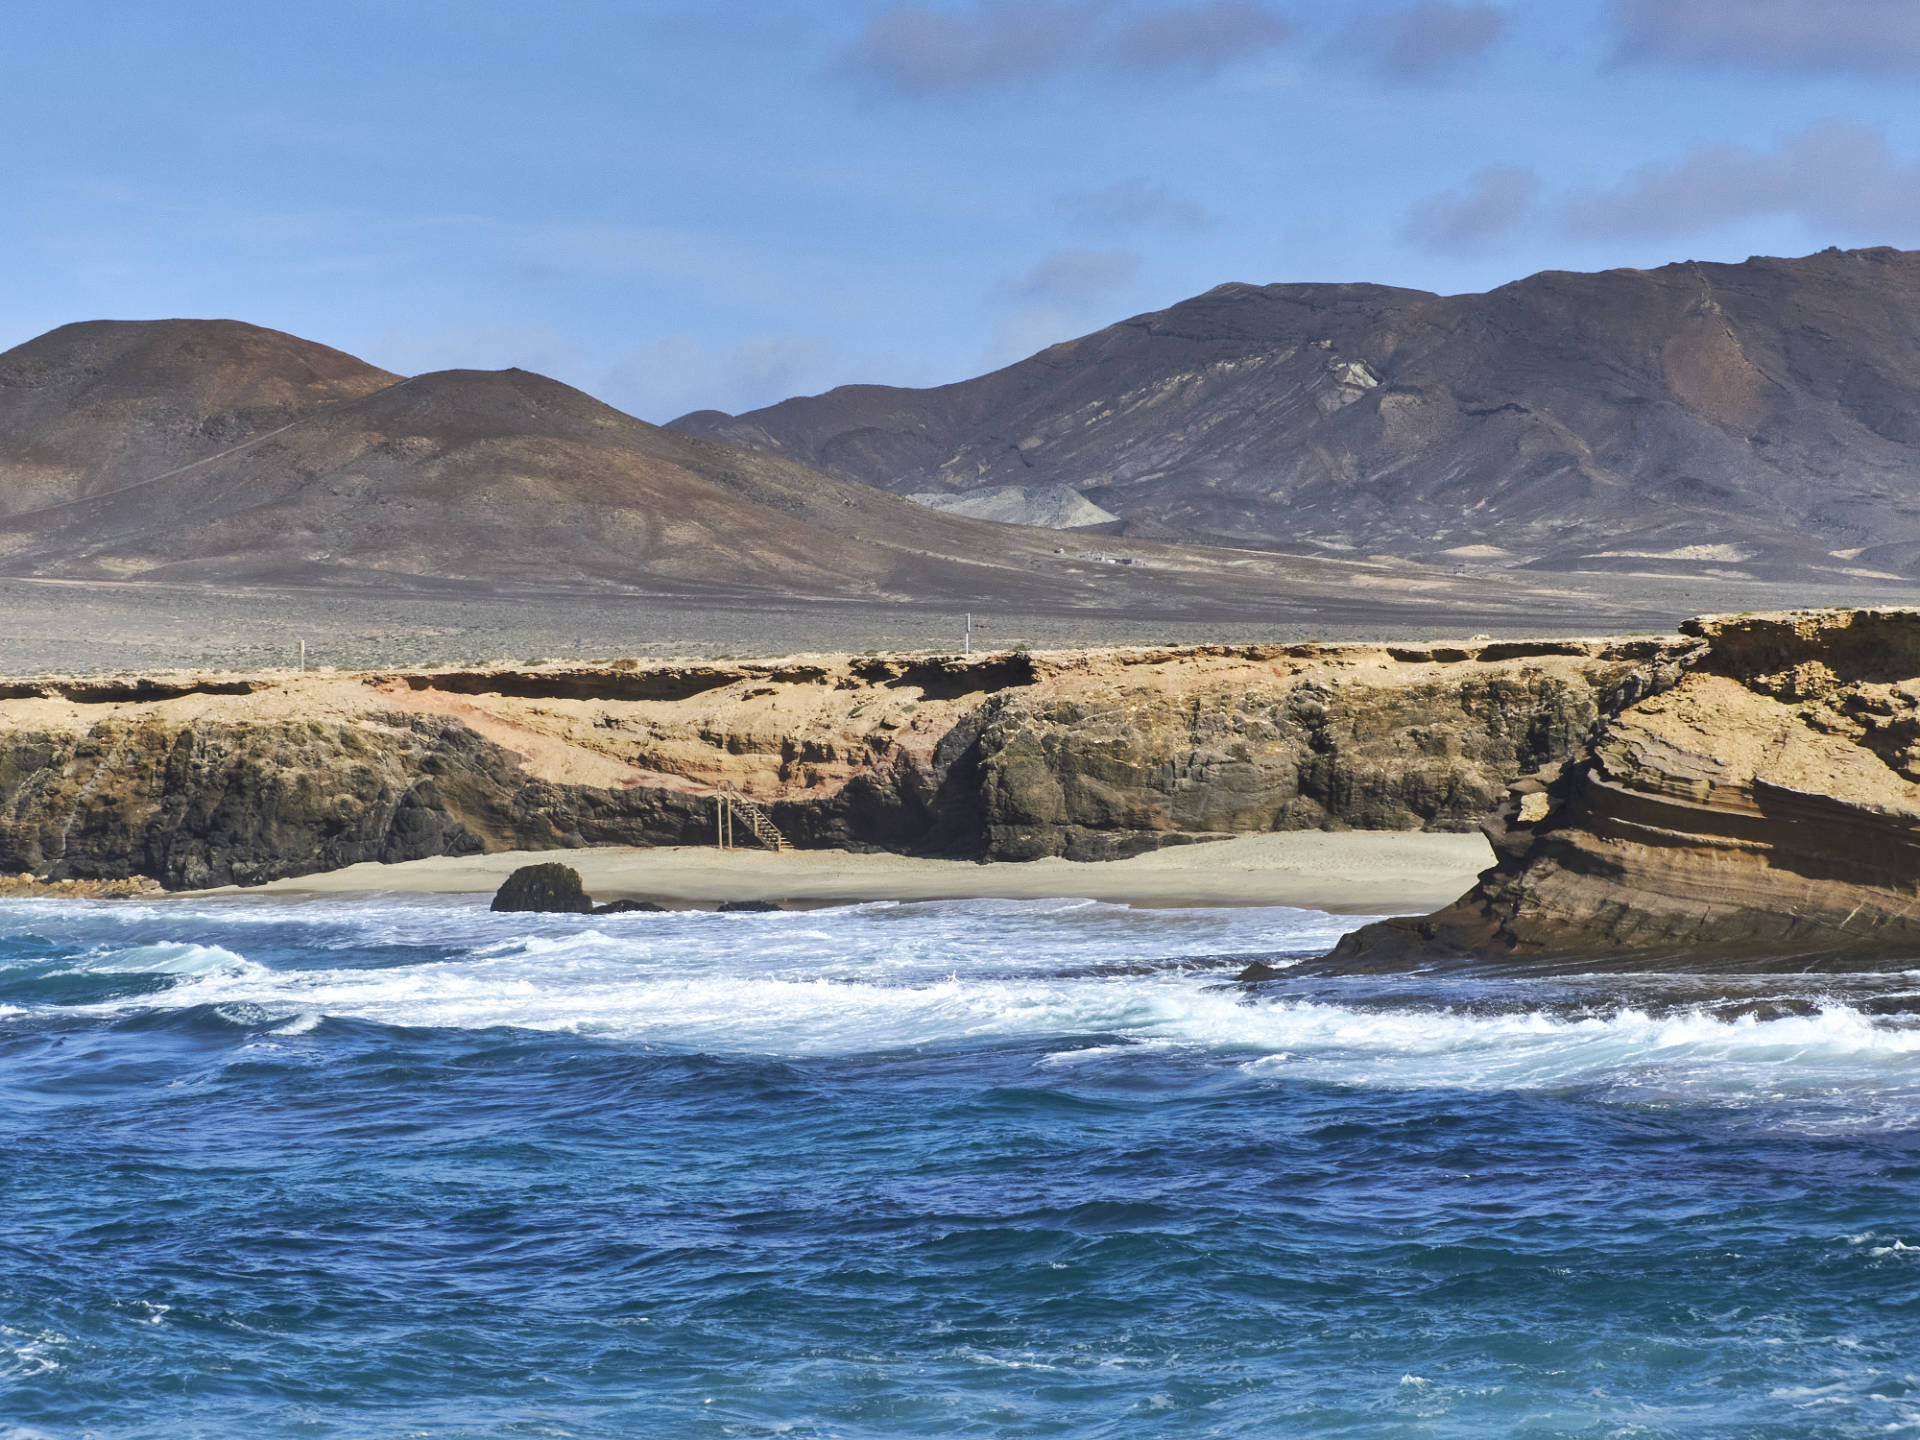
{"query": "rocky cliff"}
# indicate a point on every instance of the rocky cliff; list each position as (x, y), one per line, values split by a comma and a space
(1761, 799)
(200, 780)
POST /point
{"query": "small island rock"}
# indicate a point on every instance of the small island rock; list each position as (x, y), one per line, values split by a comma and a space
(549, 887)
(1258, 973)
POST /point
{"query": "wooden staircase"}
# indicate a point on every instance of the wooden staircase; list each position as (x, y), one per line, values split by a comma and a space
(735, 806)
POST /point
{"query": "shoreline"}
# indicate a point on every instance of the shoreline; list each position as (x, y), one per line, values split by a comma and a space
(1344, 872)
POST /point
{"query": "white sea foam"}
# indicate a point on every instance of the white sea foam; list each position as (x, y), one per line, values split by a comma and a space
(26, 1354)
(166, 958)
(1112, 984)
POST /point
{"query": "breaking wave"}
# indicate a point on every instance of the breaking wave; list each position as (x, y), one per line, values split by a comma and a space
(884, 978)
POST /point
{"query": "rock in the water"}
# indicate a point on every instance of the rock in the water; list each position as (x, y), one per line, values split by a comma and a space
(751, 906)
(1258, 973)
(1759, 807)
(630, 907)
(550, 886)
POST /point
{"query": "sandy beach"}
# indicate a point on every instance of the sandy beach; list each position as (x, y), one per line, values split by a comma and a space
(1358, 872)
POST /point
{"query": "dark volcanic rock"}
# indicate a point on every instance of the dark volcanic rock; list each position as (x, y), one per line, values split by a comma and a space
(749, 907)
(1696, 418)
(630, 907)
(1762, 810)
(545, 887)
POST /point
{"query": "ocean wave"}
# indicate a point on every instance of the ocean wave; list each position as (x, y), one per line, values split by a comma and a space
(164, 958)
(1092, 986)
(577, 986)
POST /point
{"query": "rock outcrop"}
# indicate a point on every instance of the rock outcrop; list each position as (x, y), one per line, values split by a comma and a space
(546, 888)
(207, 780)
(1759, 801)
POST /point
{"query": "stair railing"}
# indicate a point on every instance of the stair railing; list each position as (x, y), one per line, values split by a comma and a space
(731, 804)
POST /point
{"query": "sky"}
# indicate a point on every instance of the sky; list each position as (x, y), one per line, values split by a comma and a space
(684, 204)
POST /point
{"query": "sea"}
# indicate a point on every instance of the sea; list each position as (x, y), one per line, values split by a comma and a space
(389, 1167)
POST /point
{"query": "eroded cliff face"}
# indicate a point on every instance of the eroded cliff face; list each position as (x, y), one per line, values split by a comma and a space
(205, 780)
(1762, 800)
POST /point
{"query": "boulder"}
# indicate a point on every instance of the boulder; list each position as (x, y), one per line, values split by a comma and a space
(630, 907)
(1258, 973)
(546, 887)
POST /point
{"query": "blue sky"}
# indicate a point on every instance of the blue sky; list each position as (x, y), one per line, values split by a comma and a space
(675, 204)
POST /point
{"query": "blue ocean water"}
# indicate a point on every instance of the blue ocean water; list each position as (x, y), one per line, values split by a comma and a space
(371, 1167)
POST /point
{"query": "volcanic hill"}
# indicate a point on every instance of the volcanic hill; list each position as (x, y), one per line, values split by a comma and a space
(1760, 419)
(197, 451)
(218, 450)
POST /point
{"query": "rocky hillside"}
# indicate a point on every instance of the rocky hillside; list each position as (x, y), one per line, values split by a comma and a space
(213, 451)
(1762, 800)
(1755, 419)
(217, 450)
(203, 780)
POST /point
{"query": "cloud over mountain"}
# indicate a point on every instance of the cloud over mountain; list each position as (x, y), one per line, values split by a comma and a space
(1496, 200)
(1838, 176)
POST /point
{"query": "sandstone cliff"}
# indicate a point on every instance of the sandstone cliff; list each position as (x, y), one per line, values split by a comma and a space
(1762, 799)
(203, 780)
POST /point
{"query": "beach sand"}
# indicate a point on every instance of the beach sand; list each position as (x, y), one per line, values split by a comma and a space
(1354, 872)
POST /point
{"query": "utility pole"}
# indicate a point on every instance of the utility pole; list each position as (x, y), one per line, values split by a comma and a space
(966, 637)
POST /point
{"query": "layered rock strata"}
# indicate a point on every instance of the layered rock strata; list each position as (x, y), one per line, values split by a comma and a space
(1760, 800)
(203, 780)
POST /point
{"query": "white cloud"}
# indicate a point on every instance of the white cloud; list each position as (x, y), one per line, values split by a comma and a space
(920, 50)
(1837, 176)
(1865, 36)
(1069, 276)
(1497, 201)
(1200, 37)
(1425, 41)
(1840, 178)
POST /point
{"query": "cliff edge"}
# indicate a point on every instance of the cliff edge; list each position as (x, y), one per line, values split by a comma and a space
(1760, 799)
(200, 780)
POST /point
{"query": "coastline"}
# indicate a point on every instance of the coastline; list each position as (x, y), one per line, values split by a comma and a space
(1345, 872)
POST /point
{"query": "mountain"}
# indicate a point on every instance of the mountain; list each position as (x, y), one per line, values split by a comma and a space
(89, 408)
(1759, 419)
(187, 449)
(215, 451)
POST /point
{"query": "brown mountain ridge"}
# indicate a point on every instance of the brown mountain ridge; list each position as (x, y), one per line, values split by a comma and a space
(1759, 419)
(216, 451)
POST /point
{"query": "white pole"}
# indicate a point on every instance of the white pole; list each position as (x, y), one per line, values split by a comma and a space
(966, 641)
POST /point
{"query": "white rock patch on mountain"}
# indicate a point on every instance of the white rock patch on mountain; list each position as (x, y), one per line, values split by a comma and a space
(1051, 507)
